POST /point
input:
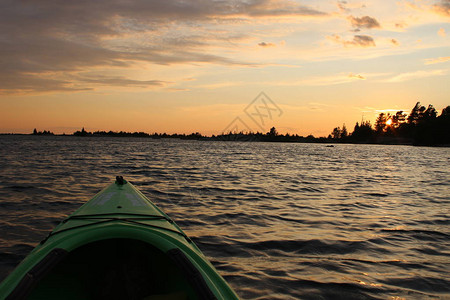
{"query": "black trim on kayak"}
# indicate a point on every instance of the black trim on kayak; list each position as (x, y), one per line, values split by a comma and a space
(192, 274)
(112, 219)
(105, 216)
(32, 277)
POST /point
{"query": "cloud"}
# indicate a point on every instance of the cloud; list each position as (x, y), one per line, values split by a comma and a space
(342, 5)
(390, 110)
(416, 75)
(376, 111)
(442, 8)
(362, 41)
(431, 61)
(394, 42)
(46, 64)
(332, 80)
(122, 82)
(400, 25)
(264, 44)
(356, 76)
(24, 83)
(358, 41)
(223, 84)
(441, 32)
(364, 22)
(320, 104)
(270, 8)
(45, 44)
(177, 89)
(346, 7)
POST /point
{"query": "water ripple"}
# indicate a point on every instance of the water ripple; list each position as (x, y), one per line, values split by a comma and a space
(279, 221)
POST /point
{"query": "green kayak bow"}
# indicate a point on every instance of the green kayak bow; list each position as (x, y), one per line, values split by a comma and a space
(118, 245)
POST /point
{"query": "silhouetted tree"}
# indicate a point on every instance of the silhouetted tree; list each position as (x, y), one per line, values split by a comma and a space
(398, 119)
(362, 133)
(45, 132)
(416, 113)
(380, 123)
(432, 130)
(336, 133)
(273, 132)
(429, 114)
(344, 132)
(83, 132)
(446, 112)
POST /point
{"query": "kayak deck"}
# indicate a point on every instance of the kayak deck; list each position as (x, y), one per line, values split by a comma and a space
(118, 245)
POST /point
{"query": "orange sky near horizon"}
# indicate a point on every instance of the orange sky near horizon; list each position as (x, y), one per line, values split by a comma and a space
(196, 66)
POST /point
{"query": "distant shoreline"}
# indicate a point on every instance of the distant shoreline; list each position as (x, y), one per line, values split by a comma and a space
(422, 127)
(239, 138)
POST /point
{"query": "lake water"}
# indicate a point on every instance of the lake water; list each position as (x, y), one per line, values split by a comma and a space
(279, 221)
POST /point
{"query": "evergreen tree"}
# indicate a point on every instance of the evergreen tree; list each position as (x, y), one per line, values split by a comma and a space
(336, 133)
(380, 123)
(273, 132)
(398, 119)
(362, 133)
(445, 112)
(415, 114)
(344, 132)
(429, 114)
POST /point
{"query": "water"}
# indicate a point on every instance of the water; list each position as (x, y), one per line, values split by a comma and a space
(279, 221)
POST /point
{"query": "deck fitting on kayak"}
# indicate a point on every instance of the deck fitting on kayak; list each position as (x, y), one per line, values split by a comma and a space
(120, 180)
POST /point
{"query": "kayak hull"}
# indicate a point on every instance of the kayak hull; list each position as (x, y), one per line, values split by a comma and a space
(118, 245)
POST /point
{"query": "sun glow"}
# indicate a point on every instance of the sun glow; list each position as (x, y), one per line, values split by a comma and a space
(389, 122)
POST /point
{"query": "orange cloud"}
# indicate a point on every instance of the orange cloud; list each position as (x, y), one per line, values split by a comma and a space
(416, 75)
(264, 44)
(356, 76)
(441, 32)
(442, 8)
(431, 61)
(394, 42)
(400, 25)
(364, 22)
(358, 41)
(44, 48)
(342, 6)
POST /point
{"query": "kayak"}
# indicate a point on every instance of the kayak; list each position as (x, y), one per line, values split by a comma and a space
(118, 245)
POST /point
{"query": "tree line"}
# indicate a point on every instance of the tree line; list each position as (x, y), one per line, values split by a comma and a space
(422, 126)
(192, 136)
(45, 132)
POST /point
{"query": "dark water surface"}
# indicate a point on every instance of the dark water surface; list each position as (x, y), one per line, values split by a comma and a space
(279, 221)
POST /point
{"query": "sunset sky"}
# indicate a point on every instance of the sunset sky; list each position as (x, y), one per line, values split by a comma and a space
(187, 66)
